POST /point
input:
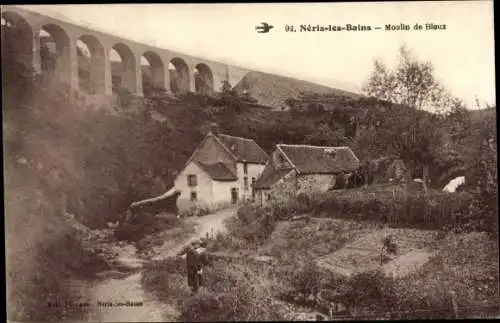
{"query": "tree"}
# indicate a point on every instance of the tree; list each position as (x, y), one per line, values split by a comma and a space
(423, 102)
(226, 87)
(232, 101)
(326, 136)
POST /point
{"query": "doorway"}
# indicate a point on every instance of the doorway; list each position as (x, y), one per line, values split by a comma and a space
(234, 195)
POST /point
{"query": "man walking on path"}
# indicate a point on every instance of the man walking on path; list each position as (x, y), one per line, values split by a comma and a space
(194, 263)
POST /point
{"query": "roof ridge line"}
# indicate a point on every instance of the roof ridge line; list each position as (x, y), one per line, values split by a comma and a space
(289, 160)
(223, 134)
(310, 146)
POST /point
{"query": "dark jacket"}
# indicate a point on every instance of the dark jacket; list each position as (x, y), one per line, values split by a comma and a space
(193, 264)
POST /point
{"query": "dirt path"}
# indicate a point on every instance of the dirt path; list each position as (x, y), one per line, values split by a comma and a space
(129, 289)
(209, 224)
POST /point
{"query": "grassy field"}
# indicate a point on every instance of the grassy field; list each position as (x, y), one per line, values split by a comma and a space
(464, 264)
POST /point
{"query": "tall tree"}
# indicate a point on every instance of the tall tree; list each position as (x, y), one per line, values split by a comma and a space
(424, 104)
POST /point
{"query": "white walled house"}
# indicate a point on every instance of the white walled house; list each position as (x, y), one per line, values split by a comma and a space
(294, 169)
(220, 171)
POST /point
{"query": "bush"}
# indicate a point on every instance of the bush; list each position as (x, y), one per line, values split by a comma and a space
(147, 226)
(231, 294)
(225, 242)
(167, 280)
(195, 210)
(379, 204)
(43, 252)
(370, 291)
(464, 263)
(253, 225)
(188, 209)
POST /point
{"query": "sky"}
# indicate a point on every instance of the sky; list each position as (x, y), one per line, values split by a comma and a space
(462, 54)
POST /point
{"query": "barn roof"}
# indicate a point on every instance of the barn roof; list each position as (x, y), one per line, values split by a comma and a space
(244, 149)
(218, 171)
(270, 176)
(320, 160)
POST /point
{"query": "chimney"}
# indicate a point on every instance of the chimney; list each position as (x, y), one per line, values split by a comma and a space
(214, 128)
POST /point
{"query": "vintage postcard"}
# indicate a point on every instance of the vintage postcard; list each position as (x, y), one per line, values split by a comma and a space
(250, 162)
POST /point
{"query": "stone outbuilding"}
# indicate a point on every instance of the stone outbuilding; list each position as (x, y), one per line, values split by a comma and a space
(295, 169)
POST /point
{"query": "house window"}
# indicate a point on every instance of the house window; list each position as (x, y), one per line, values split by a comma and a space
(245, 183)
(245, 168)
(192, 180)
(253, 186)
(194, 197)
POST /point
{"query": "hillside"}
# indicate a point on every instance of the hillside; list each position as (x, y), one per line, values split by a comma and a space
(273, 90)
(93, 161)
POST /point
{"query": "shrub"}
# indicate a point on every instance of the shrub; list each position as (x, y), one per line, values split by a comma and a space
(440, 211)
(201, 209)
(370, 291)
(306, 278)
(232, 293)
(253, 225)
(167, 280)
(148, 226)
(42, 253)
(226, 242)
(195, 210)
(464, 263)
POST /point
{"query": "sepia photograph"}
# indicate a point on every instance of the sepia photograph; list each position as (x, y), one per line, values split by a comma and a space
(250, 162)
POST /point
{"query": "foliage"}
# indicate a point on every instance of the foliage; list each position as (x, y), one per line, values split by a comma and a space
(466, 264)
(413, 84)
(388, 204)
(370, 291)
(325, 136)
(42, 252)
(425, 294)
(231, 293)
(100, 153)
(389, 245)
(250, 228)
(153, 90)
(125, 97)
(167, 280)
(95, 158)
(147, 226)
(226, 242)
(195, 210)
(252, 225)
(64, 156)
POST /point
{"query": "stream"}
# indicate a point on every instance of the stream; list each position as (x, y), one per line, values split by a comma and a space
(122, 298)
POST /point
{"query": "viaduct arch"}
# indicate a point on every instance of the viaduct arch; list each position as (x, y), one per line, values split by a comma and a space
(99, 63)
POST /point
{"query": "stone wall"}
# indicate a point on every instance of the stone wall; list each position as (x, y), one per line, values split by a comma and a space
(285, 188)
(315, 183)
(292, 184)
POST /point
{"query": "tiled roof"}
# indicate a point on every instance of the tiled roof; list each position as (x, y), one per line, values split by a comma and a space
(218, 171)
(320, 160)
(244, 149)
(270, 176)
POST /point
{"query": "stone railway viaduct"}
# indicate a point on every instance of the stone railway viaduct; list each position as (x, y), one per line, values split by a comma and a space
(26, 43)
